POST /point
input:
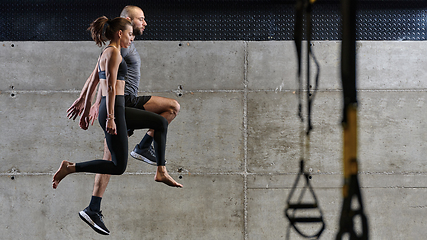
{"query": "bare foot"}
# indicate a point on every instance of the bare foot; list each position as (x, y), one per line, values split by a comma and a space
(65, 169)
(163, 176)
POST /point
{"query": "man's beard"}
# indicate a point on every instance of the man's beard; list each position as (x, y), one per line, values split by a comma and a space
(137, 32)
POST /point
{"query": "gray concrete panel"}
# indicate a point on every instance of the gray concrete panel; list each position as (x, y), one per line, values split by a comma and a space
(31, 209)
(274, 130)
(394, 211)
(165, 65)
(392, 65)
(206, 136)
(46, 65)
(273, 61)
(192, 65)
(393, 131)
(381, 65)
(278, 62)
(135, 207)
(37, 133)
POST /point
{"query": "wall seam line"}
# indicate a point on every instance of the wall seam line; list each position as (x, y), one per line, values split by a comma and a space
(245, 138)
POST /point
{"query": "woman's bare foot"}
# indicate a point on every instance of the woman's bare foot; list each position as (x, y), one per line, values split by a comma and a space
(65, 169)
(163, 176)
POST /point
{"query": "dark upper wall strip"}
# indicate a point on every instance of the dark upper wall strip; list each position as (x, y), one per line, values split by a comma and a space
(205, 20)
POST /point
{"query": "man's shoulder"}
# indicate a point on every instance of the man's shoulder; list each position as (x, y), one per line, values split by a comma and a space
(131, 50)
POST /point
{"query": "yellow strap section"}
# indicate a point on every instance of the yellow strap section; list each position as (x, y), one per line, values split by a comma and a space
(350, 147)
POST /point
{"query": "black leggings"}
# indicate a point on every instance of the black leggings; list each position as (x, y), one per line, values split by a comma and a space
(118, 144)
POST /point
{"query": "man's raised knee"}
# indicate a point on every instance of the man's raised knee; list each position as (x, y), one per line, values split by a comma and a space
(175, 107)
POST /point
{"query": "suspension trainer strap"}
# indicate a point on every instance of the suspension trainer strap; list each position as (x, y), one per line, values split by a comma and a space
(298, 35)
(300, 206)
(351, 188)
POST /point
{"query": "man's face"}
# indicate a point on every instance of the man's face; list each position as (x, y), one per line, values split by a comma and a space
(138, 23)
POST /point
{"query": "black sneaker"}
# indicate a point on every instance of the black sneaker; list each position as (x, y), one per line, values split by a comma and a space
(130, 132)
(147, 155)
(94, 219)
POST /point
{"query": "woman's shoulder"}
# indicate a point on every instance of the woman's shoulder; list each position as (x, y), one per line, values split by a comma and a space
(111, 49)
(113, 52)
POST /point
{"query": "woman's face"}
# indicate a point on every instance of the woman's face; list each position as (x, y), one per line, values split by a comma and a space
(127, 37)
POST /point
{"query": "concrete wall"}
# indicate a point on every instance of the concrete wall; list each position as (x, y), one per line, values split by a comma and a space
(234, 145)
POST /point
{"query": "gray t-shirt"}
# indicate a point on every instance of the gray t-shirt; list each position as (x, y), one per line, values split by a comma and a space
(133, 61)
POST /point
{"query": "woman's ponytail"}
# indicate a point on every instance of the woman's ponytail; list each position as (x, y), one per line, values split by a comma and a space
(97, 29)
(103, 29)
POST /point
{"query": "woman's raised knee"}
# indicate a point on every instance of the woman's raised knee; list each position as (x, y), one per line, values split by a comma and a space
(119, 170)
(163, 124)
(120, 166)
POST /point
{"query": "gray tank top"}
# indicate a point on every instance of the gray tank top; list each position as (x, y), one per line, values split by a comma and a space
(133, 61)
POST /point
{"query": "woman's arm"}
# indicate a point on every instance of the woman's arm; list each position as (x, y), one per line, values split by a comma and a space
(111, 68)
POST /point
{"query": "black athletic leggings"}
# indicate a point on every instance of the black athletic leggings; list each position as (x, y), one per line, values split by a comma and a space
(118, 144)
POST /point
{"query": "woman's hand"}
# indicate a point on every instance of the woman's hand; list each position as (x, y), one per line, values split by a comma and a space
(111, 126)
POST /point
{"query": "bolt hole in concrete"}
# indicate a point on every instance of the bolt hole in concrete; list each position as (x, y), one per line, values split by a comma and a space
(13, 95)
(12, 45)
(179, 91)
(12, 177)
(180, 44)
(12, 87)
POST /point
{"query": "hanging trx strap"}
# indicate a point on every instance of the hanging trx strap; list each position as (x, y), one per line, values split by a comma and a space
(293, 208)
(304, 6)
(298, 34)
(351, 188)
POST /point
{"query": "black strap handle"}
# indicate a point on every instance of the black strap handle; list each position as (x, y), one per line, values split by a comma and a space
(292, 208)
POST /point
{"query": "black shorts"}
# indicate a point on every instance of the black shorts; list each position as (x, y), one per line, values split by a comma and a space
(136, 101)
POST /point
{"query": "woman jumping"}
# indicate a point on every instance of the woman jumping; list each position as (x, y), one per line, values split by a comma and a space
(113, 118)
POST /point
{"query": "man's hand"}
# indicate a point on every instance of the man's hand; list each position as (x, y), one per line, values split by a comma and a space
(93, 113)
(84, 121)
(76, 109)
